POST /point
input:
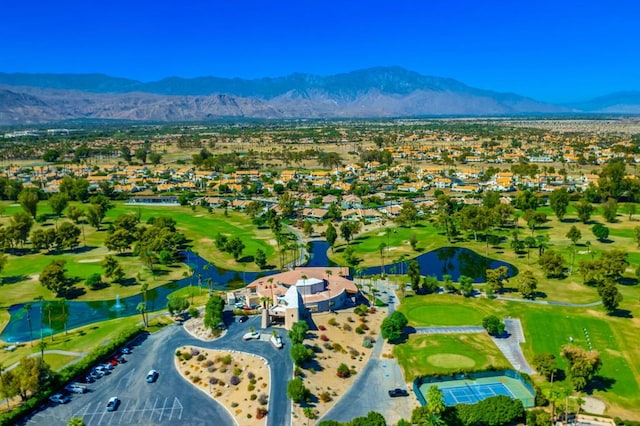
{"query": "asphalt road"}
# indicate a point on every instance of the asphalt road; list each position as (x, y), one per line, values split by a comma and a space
(171, 399)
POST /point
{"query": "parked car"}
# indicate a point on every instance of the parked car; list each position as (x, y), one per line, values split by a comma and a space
(89, 379)
(276, 341)
(152, 376)
(101, 369)
(251, 335)
(76, 388)
(398, 392)
(109, 366)
(243, 318)
(112, 404)
(113, 362)
(125, 351)
(119, 359)
(59, 398)
(96, 374)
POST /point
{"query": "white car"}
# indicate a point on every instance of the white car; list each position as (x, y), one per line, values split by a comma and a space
(59, 398)
(75, 388)
(251, 335)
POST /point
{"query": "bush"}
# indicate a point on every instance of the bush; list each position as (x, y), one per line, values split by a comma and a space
(359, 330)
(332, 322)
(201, 357)
(324, 338)
(251, 387)
(343, 371)
(261, 412)
(346, 327)
(337, 347)
(250, 375)
(325, 396)
(322, 328)
(367, 342)
(263, 399)
(186, 356)
(328, 346)
(235, 380)
(237, 371)
(194, 312)
(226, 360)
(195, 352)
(213, 380)
(253, 397)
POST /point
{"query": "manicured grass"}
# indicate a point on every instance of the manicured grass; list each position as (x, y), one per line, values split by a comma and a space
(447, 353)
(57, 361)
(436, 310)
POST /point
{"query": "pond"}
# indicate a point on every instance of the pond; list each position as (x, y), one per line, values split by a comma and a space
(454, 261)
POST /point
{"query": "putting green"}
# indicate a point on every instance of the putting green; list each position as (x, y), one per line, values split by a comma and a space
(451, 361)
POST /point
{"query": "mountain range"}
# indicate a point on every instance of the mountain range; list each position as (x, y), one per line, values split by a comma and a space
(369, 93)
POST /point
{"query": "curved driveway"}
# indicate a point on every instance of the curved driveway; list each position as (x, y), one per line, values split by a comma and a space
(172, 399)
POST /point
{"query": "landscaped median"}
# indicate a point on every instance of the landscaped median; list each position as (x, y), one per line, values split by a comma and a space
(237, 380)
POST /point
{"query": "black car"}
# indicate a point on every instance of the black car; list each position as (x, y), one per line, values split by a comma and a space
(243, 318)
(398, 392)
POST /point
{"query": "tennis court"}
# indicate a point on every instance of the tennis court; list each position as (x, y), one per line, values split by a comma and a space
(473, 387)
(472, 393)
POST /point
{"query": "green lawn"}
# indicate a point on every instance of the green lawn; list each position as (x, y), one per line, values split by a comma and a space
(447, 353)
(438, 310)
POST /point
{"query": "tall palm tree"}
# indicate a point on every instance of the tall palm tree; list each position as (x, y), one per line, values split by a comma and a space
(142, 308)
(381, 247)
(145, 315)
(27, 308)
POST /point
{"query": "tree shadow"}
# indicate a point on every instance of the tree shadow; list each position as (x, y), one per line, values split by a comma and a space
(13, 279)
(83, 249)
(570, 220)
(621, 313)
(127, 282)
(627, 281)
(312, 365)
(74, 292)
(600, 384)
(539, 295)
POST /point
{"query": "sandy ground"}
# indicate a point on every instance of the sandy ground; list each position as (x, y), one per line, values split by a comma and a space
(593, 405)
(213, 372)
(89, 260)
(320, 375)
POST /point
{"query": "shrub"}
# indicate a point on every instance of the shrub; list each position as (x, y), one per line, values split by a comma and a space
(325, 396)
(186, 356)
(253, 397)
(328, 346)
(346, 327)
(368, 342)
(194, 352)
(227, 359)
(237, 371)
(250, 375)
(261, 412)
(359, 330)
(209, 363)
(322, 327)
(364, 326)
(324, 338)
(349, 319)
(178, 353)
(251, 387)
(354, 353)
(235, 380)
(201, 357)
(263, 399)
(332, 322)
(194, 312)
(337, 347)
(234, 404)
(213, 380)
(343, 371)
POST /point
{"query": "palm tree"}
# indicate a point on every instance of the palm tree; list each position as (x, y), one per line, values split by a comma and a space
(27, 308)
(210, 284)
(142, 308)
(42, 345)
(381, 247)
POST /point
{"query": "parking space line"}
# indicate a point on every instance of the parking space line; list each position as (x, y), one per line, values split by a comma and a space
(124, 411)
(133, 412)
(176, 401)
(102, 416)
(163, 408)
(153, 409)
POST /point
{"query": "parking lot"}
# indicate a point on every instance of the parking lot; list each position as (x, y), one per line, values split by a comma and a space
(167, 401)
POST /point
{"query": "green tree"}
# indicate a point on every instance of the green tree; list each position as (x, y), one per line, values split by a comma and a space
(466, 285)
(496, 277)
(76, 421)
(610, 210)
(392, 327)
(177, 305)
(584, 209)
(583, 365)
(235, 246)
(408, 214)
(155, 158)
(20, 226)
(300, 354)
(559, 201)
(611, 297)
(68, 235)
(546, 365)
(29, 199)
(348, 230)
(29, 377)
(527, 284)
(493, 325)
(58, 202)
(296, 391)
(94, 281)
(636, 235)
(298, 332)
(331, 235)
(435, 400)
(74, 213)
(142, 308)
(600, 231)
(260, 258)
(213, 312)
(53, 277)
(414, 275)
(552, 263)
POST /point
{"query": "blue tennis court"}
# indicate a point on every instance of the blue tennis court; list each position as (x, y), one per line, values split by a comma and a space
(472, 393)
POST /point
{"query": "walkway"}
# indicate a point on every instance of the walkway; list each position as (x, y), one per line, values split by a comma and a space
(463, 329)
(510, 345)
(551, 302)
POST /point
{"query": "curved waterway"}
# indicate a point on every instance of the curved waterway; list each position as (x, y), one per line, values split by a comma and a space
(452, 261)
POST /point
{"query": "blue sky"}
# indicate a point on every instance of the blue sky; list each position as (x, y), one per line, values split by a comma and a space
(560, 50)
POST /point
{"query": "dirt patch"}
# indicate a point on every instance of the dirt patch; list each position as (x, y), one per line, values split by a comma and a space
(237, 380)
(89, 260)
(337, 344)
(593, 405)
(195, 327)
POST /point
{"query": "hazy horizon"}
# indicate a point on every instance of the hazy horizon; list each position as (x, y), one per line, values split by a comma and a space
(551, 51)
